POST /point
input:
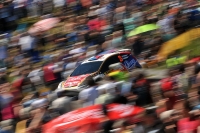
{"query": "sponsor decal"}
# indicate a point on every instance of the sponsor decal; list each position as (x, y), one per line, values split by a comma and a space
(76, 116)
(94, 113)
(125, 56)
(120, 110)
(74, 81)
(128, 61)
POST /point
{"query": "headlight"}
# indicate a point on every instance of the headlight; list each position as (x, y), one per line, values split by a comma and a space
(59, 87)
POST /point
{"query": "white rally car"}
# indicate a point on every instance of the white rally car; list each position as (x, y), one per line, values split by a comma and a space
(98, 65)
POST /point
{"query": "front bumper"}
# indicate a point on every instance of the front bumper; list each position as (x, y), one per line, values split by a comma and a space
(70, 91)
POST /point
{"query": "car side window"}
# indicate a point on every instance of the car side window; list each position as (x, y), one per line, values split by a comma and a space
(111, 60)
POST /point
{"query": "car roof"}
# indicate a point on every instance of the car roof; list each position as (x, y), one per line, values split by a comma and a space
(104, 55)
(98, 58)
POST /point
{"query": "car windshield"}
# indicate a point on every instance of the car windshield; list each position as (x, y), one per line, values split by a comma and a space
(87, 68)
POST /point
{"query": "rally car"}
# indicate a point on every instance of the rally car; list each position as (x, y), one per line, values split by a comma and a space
(98, 65)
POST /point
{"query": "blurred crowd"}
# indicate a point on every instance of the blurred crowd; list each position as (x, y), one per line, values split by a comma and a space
(34, 61)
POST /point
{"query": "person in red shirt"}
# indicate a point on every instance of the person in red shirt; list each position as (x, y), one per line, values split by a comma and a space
(188, 124)
(167, 87)
(95, 23)
(49, 75)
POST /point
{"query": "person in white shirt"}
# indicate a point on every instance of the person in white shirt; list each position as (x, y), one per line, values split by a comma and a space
(165, 24)
(25, 42)
(78, 48)
(106, 92)
(88, 96)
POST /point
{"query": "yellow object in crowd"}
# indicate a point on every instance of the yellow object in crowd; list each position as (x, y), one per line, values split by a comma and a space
(119, 75)
(178, 43)
(21, 127)
(126, 131)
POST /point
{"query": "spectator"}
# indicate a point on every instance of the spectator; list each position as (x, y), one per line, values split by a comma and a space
(183, 80)
(26, 42)
(3, 77)
(165, 24)
(20, 8)
(5, 131)
(137, 46)
(150, 123)
(88, 96)
(198, 105)
(117, 40)
(141, 89)
(105, 93)
(49, 76)
(180, 24)
(188, 123)
(60, 105)
(5, 100)
(197, 68)
(169, 87)
(94, 38)
(95, 23)
(59, 4)
(124, 128)
(118, 98)
(107, 125)
(72, 37)
(3, 47)
(78, 48)
(18, 58)
(82, 27)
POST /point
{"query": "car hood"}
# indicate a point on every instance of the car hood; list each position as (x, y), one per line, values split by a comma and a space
(75, 80)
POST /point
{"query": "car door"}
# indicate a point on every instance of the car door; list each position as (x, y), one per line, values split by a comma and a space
(109, 61)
